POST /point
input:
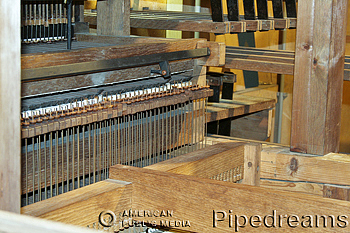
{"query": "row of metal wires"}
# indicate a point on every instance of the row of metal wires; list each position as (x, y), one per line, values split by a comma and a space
(64, 160)
(44, 21)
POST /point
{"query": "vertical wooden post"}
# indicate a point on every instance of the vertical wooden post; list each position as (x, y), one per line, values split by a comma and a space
(113, 17)
(10, 86)
(252, 161)
(318, 76)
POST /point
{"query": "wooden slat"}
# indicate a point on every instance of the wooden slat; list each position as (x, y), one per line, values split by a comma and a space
(265, 60)
(318, 76)
(183, 25)
(191, 21)
(194, 199)
(240, 105)
(10, 76)
(293, 186)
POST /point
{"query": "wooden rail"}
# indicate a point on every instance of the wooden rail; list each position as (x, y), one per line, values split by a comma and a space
(202, 22)
(266, 60)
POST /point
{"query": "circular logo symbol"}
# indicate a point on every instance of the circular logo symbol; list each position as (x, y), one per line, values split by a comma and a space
(107, 218)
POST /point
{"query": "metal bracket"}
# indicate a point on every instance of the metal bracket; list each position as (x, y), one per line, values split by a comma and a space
(164, 69)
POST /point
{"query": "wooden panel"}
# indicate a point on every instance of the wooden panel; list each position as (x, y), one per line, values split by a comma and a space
(318, 76)
(10, 85)
(280, 164)
(240, 105)
(194, 199)
(82, 207)
(113, 17)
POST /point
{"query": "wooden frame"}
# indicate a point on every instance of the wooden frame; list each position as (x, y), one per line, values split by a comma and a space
(183, 185)
(278, 167)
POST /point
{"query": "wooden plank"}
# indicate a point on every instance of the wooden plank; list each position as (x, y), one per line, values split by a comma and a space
(252, 164)
(207, 162)
(113, 17)
(90, 200)
(78, 81)
(11, 222)
(239, 106)
(318, 76)
(10, 76)
(261, 66)
(293, 186)
(280, 164)
(183, 25)
(194, 199)
(104, 53)
(337, 192)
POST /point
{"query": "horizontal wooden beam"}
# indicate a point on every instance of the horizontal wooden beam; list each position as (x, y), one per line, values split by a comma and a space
(223, 161)
(30, 61)
(267, 60)
(202, 22)
(209, 205)
(240, 105)
(279, 163)
(340, 192)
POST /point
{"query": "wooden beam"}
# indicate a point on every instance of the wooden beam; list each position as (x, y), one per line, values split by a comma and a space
(201, 202)
(10, 92)
(223, 160)
(279, 163)
(113, 17)
(318, 76)
(30, 61)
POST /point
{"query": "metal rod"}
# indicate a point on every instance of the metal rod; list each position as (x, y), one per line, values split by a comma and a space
(69, 24)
